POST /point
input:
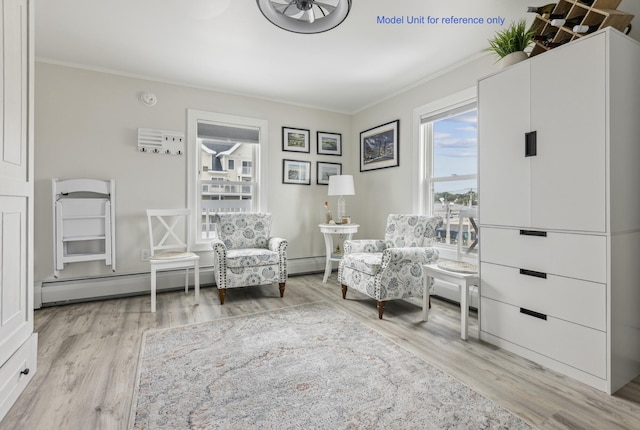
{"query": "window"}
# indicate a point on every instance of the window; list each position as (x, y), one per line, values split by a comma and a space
(217, 144)
(449, 169)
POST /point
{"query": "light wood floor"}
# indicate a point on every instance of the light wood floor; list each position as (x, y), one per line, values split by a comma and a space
(88, 354)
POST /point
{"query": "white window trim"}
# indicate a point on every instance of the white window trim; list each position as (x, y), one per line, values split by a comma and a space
(421, 196)
(261, 169)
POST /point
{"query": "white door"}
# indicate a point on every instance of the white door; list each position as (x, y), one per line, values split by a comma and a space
(568, 111)
(504, 171)
(16, 203)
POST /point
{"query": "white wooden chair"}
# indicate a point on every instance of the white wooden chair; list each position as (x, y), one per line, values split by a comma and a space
(169, 238)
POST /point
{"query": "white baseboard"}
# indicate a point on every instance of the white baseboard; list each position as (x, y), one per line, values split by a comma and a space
(56, 292)
(452, 292)
(62, 291)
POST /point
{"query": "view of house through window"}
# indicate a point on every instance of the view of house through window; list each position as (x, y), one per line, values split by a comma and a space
(227, 181)
(451, 137)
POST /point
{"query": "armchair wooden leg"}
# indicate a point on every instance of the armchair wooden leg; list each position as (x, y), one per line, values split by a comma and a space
(344, 291)
(282, 289)
(380, 309)
(221, 293)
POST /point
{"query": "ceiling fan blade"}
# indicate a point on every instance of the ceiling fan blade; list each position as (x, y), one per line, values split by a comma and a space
(286, 9)
(324, 6)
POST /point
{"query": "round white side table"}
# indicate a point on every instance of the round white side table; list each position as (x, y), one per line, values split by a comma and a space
(328, 231)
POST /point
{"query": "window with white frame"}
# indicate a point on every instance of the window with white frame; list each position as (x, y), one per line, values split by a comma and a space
(218, 145)
(449, 147)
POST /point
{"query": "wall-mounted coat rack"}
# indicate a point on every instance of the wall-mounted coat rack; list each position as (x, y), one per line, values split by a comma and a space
(83, 222)
(160, 141)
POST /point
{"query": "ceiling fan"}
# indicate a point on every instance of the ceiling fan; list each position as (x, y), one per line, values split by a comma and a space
(305, 16)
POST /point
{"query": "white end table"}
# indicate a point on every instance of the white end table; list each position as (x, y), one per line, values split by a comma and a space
(462, 280)
(328, 230)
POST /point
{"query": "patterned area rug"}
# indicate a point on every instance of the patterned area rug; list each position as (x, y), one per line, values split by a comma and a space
(303, 367)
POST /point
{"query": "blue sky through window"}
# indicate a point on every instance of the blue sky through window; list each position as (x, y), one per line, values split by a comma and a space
(455, 150)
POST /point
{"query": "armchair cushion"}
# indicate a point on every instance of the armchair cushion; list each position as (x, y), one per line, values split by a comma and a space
(250, 230)
(409, 231)
(251, 257)
(365, 262)
(353, 246)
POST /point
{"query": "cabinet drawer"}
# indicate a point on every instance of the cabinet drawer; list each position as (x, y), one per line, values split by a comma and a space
(12, 381)
(572, 344)
(573, 300)
(578, 256)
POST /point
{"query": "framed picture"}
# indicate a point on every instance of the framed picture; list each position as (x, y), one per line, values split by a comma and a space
(324, 170)
(295, 139)
(296, 172)
(329, 143)
(379, 147)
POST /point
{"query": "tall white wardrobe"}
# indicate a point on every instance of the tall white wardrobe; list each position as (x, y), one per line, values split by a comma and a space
(559, 209)
(18, 342)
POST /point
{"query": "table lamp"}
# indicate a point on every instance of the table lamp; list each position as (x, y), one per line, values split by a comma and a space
(341, 185)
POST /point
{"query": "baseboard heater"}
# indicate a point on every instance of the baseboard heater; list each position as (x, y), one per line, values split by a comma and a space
(58, 292)
(97, 288)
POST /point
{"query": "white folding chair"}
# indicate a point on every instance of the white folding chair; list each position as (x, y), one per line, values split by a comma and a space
(169, 238)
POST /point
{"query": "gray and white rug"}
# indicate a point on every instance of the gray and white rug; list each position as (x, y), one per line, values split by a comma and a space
(302, 367)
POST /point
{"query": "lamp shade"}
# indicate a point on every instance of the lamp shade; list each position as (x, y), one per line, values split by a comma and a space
(341, 185)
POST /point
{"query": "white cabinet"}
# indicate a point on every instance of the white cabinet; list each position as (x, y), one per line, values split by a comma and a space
(562, 111)
(18, 343)
(559, 224)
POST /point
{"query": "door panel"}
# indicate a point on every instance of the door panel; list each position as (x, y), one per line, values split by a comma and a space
(568, 111)
(16, 189)
(503, 114)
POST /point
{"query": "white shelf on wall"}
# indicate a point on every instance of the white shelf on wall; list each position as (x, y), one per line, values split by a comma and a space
(84, 222)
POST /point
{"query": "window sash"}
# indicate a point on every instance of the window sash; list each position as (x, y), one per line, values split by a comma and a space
(247, 193)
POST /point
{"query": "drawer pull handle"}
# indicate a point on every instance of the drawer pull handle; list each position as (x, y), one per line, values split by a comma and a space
(25, 371)
(533, 314)
(533, 233)
(533, 273)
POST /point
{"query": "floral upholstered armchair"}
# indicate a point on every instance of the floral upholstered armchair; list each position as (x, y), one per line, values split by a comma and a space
(390, 269)
(245, 254)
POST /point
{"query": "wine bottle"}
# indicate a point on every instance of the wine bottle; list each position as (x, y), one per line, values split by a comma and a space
(552, 45)
(585, 29)
(542, 10)
(560, 15)
(570, 23)
(547, 37)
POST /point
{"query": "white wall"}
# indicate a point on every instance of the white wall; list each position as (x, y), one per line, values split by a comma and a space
(86, 127)
(390, 190)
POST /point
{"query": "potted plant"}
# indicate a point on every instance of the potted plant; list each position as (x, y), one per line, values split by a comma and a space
(509, 44)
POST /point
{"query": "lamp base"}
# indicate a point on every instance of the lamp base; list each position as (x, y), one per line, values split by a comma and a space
(342, 209)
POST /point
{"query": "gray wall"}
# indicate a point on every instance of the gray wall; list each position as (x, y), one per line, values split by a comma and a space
(86, 126)
(391, 190)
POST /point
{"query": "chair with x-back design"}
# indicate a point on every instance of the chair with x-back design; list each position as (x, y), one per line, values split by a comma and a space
(169, 240)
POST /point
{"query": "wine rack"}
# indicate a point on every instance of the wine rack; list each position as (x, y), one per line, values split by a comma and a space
(599, 14)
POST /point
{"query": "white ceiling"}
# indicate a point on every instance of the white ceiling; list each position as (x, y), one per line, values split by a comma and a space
(228, 45)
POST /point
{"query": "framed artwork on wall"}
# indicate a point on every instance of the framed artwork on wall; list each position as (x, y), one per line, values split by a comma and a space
(379, 147)
(295, 139)
(324, 170)
(329, 143)
(296, 172)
